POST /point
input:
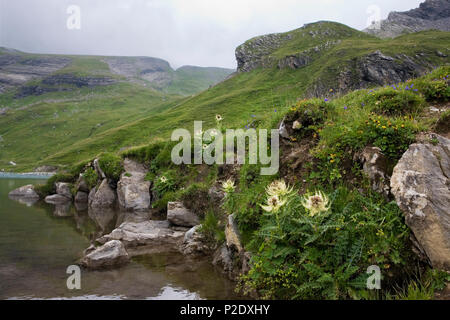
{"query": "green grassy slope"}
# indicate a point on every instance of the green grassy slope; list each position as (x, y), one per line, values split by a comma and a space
(258, 94)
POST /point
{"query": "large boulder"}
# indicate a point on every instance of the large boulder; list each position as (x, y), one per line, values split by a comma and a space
(104, 196)
(132, 190)
(421, 186)
(25, 192)
(57, 199)
(82, 185)
(63, 189)
(155, 233)
(179, 215)
(111, 254)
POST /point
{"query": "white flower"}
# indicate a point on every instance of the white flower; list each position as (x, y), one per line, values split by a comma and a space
(316, 203)
(163, 179)
(219, 118)
(279, 188)
(228, 186)
(274, 203)
(296, 125)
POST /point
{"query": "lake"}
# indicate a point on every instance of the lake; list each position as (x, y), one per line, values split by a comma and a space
(39, 242)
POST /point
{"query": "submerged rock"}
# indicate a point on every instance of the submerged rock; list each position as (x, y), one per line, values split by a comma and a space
(132, 190)
(111, 254)
(421, 186)
(179, 215)
(81, 197)
(155, 233)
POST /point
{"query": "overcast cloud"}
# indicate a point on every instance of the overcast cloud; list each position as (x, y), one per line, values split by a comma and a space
(183, 32)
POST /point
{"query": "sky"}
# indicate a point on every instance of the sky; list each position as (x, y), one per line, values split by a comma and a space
(183, 32)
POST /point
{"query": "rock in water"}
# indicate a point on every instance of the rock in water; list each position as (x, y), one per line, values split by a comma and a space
(104, 197)
(179, 215)
(421, 186)
(111, 254)
(132, 190)
(56, 199)
(81, 197)
(25, 192)
(155, 233)
(63, 189)
(195, 243)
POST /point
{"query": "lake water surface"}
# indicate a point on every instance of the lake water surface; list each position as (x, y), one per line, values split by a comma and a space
(38, 243)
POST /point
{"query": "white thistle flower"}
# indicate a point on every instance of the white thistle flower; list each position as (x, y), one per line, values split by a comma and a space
(274, 203)
(279, 188)
(228, 186)
(316, 203)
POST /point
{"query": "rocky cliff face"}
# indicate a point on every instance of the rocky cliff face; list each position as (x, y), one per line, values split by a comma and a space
(16, 69)
(431, 14)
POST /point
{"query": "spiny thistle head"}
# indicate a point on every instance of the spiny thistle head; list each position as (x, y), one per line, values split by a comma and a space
(279, 188)
(316, 203)
(228, 186)
(163, 179)
(274, 203)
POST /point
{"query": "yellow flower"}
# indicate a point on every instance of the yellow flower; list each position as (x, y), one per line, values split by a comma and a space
(384, 127)
(228, 186)
(332, 161)
(274, 203)
(316, 203)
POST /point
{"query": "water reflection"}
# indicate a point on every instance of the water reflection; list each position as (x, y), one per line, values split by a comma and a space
(38, 242)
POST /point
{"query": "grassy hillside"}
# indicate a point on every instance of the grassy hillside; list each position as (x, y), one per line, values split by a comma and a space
(246, 97)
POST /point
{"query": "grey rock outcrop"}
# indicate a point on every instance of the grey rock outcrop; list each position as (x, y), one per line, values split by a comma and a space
(111, 254)
(158, 234)
(81, 197)
(63, 189)
(375, 166)
(179, 215)
(133, 190)
(431, 14)
(57, 199)
(195, 243)
(232, 234)
(421, 186)
(103, 197)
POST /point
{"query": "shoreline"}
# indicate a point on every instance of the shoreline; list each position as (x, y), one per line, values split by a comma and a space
(26, 175)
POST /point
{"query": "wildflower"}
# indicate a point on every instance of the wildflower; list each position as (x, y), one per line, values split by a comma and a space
(219, 118)
(332, 161)
(296, 125)
(228, 186)
(331, 90)
(279, 188)
(345, 108)
(326, 100)
(274, 203)
(163, 179)
(403, 125)
(316, 203)
(384, 127)
(205, 146)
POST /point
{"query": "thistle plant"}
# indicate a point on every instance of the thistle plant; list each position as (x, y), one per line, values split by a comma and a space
(316, 203)
(228, 186)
